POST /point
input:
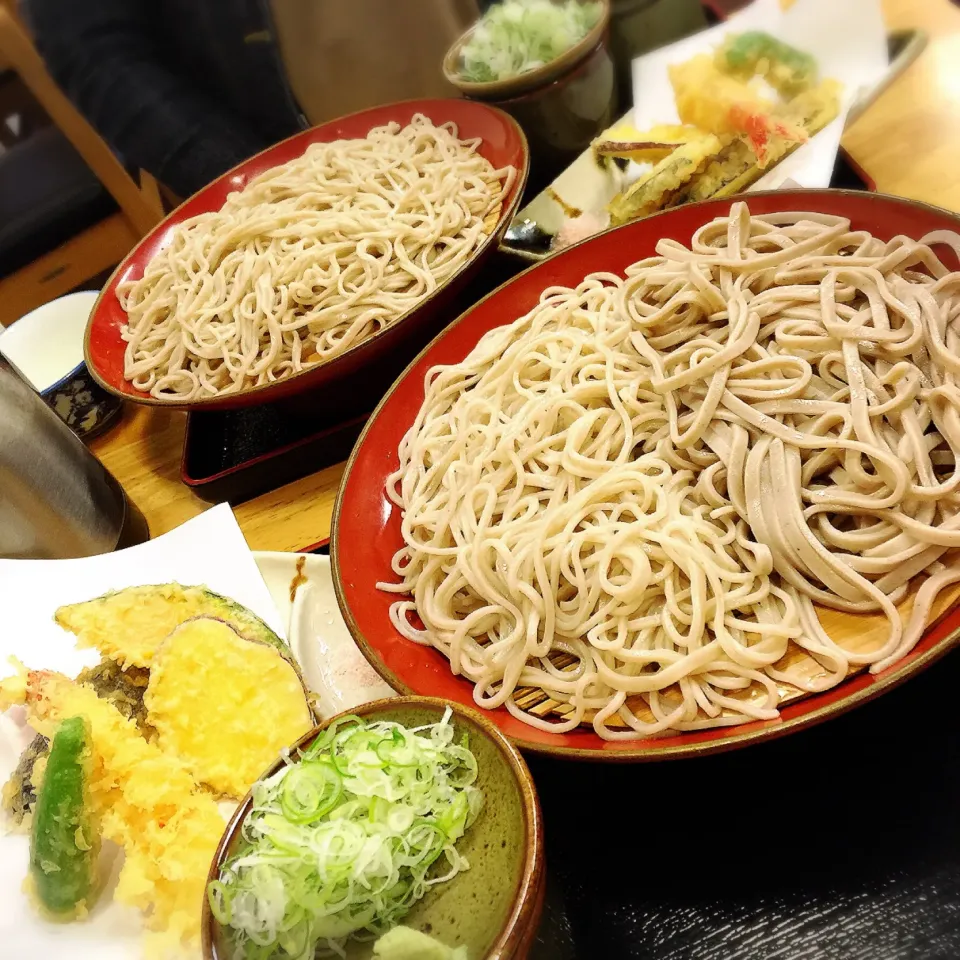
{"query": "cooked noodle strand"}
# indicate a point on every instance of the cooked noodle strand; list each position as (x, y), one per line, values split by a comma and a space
(625, 507)
(309, 259)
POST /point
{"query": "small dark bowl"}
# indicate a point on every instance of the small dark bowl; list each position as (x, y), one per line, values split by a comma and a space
(494, 907)
(81, 403)
(561, 106)
(62, 380)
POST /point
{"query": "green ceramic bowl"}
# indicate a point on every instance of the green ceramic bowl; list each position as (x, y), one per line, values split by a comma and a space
(494, 907)
(561, 106)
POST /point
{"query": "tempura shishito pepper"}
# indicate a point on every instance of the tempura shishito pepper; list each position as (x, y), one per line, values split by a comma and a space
(66, 840)
(788, 70)
(147, 801)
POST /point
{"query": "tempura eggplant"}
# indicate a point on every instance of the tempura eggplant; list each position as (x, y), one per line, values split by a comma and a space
(19, 793)
(651, 191)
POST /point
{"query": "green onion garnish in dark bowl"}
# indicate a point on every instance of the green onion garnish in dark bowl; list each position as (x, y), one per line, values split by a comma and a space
(400, 814)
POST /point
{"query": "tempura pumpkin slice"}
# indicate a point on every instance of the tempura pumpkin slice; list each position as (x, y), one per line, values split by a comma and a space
(128, 625)
(224, 705)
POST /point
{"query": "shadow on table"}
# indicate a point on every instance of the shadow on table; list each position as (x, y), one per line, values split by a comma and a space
(838, 843)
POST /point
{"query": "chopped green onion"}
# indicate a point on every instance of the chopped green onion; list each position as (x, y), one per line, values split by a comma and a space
(344, 842)
(519, 35)
(326, 738)
(310, 790)
(218, 905)
(453, 819)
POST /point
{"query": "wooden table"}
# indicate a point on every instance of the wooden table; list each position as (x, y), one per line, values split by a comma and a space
(908, 141)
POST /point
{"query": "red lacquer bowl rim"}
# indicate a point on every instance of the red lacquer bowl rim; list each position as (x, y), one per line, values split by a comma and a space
(583, 743)
(107, 317)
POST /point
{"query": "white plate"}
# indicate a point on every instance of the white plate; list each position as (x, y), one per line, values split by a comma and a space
(47, 343)
(334, 669)
(309, 617)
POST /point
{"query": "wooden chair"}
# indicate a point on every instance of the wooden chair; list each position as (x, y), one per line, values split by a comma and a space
(105, 243)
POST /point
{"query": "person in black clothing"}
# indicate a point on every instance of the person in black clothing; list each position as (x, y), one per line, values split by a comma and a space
(185, 89)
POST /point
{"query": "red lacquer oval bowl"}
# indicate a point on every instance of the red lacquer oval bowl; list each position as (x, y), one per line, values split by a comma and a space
(366, 525)
(502, 143)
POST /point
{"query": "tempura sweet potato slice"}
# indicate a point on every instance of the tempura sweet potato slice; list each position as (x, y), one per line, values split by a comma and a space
(224, 705)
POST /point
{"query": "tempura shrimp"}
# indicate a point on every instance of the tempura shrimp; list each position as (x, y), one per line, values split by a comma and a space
(727, 107)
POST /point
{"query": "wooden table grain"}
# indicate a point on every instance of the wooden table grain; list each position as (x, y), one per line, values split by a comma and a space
(909, 139)
(908, 142)
(143, 453)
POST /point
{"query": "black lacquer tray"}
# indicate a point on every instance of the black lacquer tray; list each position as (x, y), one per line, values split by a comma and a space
(235, 455)
(839, 843)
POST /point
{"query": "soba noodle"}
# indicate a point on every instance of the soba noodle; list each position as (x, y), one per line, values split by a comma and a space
(308, 259)
(636, 493)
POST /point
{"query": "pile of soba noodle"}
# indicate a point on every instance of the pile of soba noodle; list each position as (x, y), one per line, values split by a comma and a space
(632, 497)
(308, 259)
